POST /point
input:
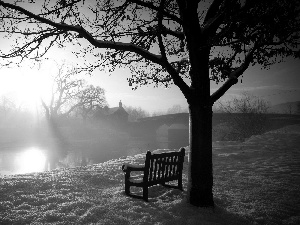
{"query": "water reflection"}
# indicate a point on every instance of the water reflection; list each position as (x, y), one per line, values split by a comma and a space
(31, 160)
(22, 161)
(28, 159)
(36, 159)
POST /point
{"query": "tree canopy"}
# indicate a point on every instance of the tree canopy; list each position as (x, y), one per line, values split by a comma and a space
(89, 99)
(69, 93)
(151, 37)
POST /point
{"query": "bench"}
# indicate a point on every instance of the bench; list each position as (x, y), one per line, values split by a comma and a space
(158, 169)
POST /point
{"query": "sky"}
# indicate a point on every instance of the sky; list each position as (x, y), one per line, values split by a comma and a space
(277, 85)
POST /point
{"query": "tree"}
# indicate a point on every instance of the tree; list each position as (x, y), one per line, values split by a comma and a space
(158, 113)
(289, 108)
(185, 42)
(176, 109)
(298, 108)
(89, 100)
(66, 89)
(248, 115)
(135, 113)
(6, 105)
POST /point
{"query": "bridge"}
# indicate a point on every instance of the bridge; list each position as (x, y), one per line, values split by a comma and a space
(151, 124)
(176, 125)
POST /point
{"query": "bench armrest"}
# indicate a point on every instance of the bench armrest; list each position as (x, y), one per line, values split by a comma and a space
(130, 167)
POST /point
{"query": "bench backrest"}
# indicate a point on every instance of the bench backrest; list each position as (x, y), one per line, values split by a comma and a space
(163, 167)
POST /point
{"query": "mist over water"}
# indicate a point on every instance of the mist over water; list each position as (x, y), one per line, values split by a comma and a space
(23, 161)
(71, 142)
(68, 144)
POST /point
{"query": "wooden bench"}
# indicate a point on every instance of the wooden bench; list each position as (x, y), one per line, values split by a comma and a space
(158, 169)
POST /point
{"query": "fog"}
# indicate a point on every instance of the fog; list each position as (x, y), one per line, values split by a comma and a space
(33, 144)
(63, 143)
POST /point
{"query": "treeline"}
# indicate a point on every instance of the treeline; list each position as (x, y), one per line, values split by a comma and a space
(136, 113)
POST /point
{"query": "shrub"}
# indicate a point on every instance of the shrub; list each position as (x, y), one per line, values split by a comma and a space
(247, 116)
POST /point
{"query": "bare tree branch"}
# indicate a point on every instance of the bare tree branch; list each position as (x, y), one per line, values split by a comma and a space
(159, 35)
(233, 77)
(85, 34)
(151, 6)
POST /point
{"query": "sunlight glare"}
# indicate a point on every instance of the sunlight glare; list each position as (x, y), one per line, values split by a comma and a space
(29, 85)
(31, 160)
(34, 86)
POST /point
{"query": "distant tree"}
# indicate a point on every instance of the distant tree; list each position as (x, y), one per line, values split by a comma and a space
(248, 116)
(289, 108)
(7, 105)
(176, 109)
(135, 113)
(66, 89)
(298, 108)
(172, 110)
(158, 113)
(185, 42)
(12, 111)
(89, 100)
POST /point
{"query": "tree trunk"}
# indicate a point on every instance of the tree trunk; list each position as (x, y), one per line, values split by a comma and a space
(200, 165)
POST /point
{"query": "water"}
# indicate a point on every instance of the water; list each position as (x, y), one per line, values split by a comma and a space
(27, 160)
(37, 159)
(34, 159)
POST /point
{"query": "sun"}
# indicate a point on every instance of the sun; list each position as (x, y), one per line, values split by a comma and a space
(26, 86)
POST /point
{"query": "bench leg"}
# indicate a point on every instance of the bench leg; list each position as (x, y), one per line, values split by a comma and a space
(127, 189)
(180, 184)
(145, 193)
(127, 186)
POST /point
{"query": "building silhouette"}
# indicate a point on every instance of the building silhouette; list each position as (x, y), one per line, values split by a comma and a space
(116, 116)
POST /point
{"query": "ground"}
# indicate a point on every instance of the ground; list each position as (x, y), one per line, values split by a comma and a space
(255, 182)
